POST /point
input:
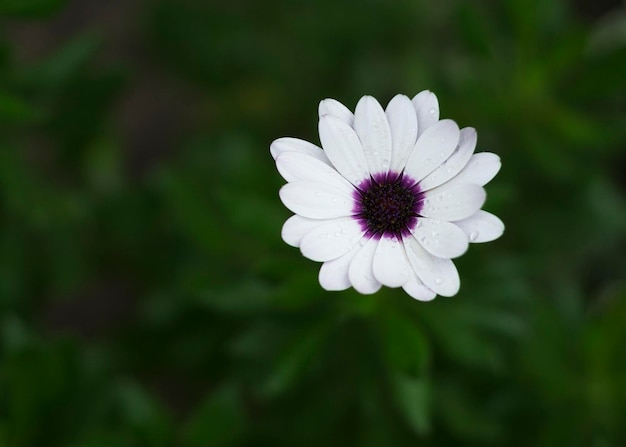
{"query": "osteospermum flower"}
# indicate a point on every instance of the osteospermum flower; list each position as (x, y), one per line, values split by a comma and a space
(394, 195)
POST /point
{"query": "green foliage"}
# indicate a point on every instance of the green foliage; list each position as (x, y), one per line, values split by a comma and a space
(146, 298)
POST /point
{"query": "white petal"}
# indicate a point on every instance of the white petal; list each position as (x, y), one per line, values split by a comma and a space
(440, 238)
(481, 227)
(417, 290)
(334, 274)
(361, 272)
(480, 169)
(296, 227)
(453, 201)
(294, 166)
(316, 200)
(390, 266)
(439, 275)
(331, 239)
(343, 148)
(427, 110)
(288, 144)
(403, 124)
(333, 107)
(432, 148)
(453, 165)
(372, 127)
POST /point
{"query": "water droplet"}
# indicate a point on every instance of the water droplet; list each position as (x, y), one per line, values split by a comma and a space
(385, 163)
(432, 111)
(473, 236)
(335, 200)
(327, 235)
(439, 198)
(422, 239)
(363, 241)
(431, 208)
(428, 161)
(318, 194)
(375, 153)
(338, 233)
(438, 281)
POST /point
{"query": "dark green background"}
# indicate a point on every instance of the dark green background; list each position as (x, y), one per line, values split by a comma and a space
(146, 298)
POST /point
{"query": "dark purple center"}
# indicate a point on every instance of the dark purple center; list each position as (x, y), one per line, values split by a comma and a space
(388, 205)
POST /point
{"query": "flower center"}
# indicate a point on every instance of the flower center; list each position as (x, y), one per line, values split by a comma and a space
(388, 205)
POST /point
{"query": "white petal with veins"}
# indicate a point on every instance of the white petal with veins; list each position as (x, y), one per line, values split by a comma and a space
(390, 266)
(403, 125)
(316, 200)
(361, 272)
(481, 227)
(333, 107)
(343, 148)
(432, 148)
(288, 144)
(331, 239)
(453, 201)
(372, 127)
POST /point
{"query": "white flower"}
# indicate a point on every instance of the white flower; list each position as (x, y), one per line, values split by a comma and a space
(392, 198)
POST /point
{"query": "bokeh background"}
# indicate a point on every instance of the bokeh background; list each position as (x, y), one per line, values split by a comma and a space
(146, 298)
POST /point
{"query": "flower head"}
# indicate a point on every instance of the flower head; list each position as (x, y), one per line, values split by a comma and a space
(394, 195)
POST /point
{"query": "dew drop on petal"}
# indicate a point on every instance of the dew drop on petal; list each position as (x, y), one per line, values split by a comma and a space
(438, 281)
(432, 111)
(473, 236)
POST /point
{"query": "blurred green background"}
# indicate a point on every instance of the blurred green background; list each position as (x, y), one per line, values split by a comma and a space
(146, 298)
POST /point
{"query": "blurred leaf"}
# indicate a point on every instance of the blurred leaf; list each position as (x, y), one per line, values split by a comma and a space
(465, 414)
(609, 33)
(413, 397)
(145, 418)
(247, 297)
(30, 8)
(296, 359)
(406, 347)
(14, 109)
(219, 421)
(62, 66)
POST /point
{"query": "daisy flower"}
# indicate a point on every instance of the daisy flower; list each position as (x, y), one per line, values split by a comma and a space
(390, 200)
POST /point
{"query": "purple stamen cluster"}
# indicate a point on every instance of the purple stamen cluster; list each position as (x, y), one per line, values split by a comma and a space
(388, 205)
